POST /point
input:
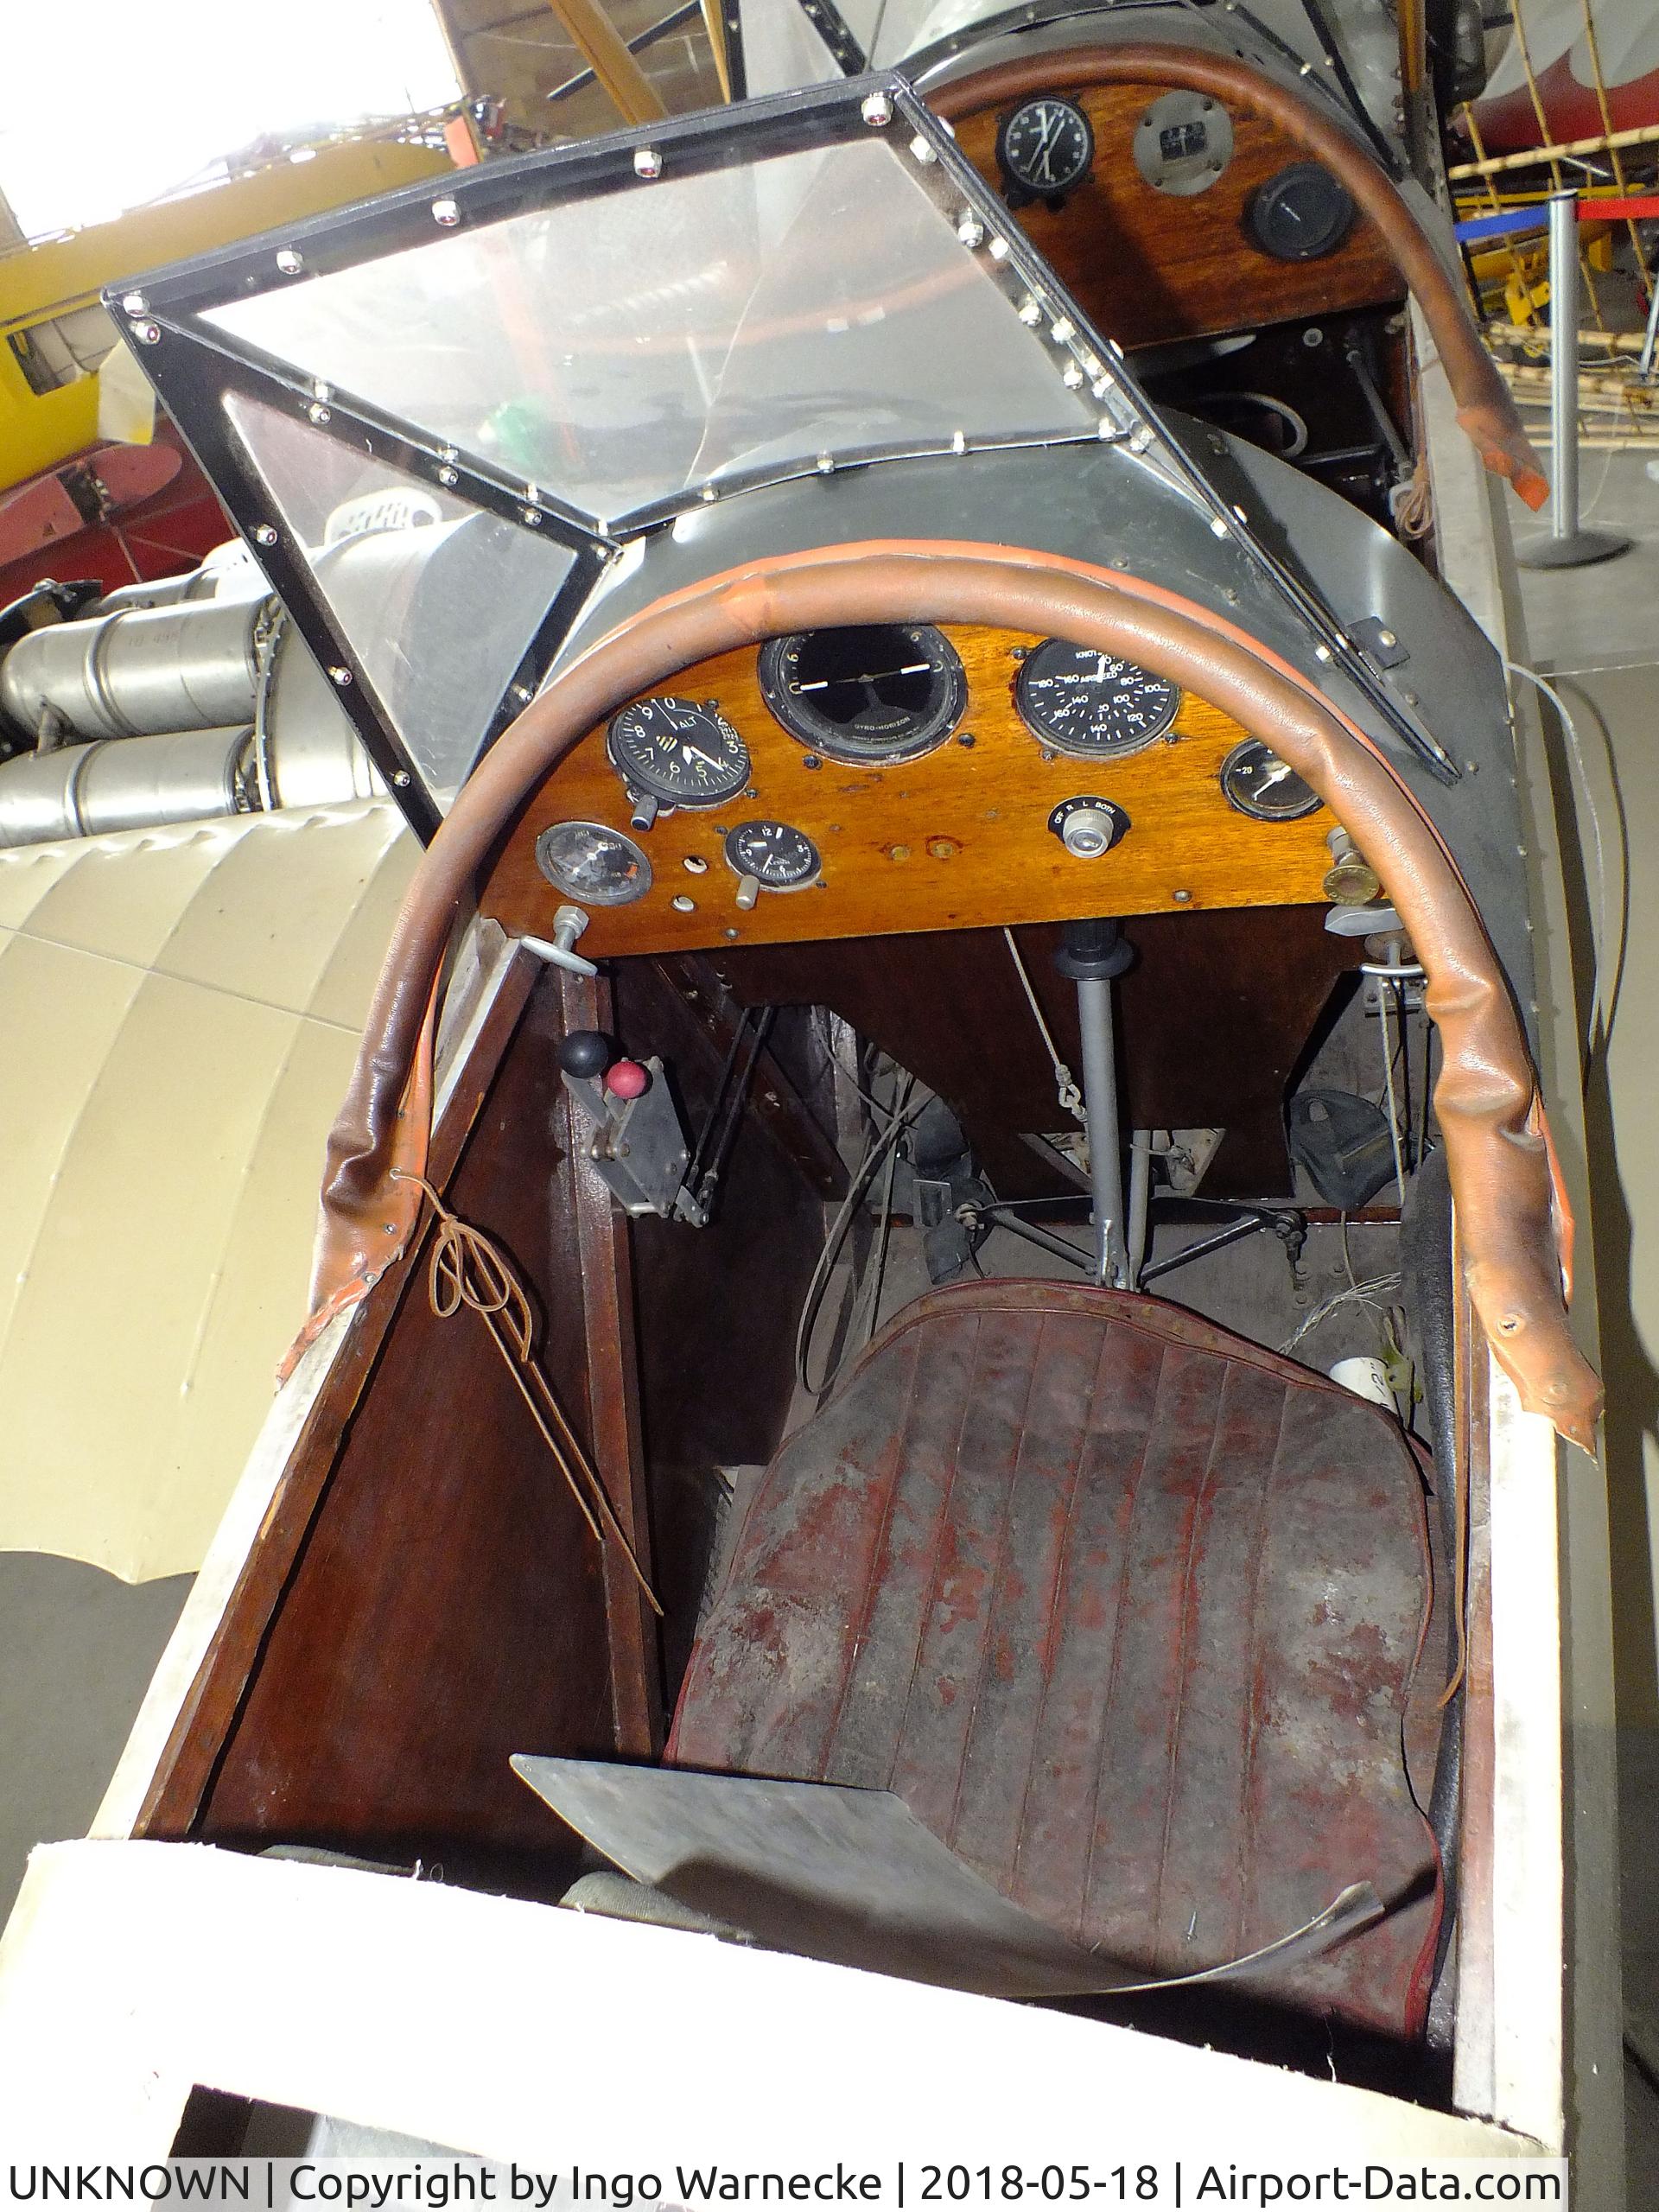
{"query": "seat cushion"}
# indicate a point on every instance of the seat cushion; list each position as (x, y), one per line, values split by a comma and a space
(1126, 1609)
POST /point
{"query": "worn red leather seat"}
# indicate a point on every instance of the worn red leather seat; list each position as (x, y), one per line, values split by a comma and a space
(1124, 1607)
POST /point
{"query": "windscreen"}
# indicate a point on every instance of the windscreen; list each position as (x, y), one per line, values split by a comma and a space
(623, 351)
(438, 601)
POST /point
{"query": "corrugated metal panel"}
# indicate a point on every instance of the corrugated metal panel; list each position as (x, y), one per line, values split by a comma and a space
(180, 1010)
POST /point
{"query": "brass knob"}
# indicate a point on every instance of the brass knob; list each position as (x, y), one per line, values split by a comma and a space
(1351, 880)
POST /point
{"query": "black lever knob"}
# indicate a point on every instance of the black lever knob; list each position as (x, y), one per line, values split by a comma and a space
(585, 1054)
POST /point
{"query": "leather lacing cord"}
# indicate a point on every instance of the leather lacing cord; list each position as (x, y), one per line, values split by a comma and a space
(468, 1269)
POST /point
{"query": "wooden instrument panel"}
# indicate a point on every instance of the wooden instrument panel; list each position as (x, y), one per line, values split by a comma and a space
(957, 839)
(1146, 265)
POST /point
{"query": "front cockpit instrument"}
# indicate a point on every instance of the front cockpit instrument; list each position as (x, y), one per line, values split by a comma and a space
(1087, 703)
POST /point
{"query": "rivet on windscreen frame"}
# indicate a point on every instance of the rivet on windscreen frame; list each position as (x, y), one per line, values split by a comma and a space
(969, 229)
(998, 249)
(826, 464)
(647, 162)
(340, 675)
(134, 303)
(1072, 375)
(265, 535)
(1141, 437)
(288, 261)
(1063, 328)
(320, 392)
(1218, 525)
(708, 493)
(921, 151)
(877, 110)
(1030, 312)
(446, 212)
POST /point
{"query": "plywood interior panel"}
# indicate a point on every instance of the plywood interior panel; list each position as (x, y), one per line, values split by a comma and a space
(448, 1598)
(448, 1606)
(1211, 1021)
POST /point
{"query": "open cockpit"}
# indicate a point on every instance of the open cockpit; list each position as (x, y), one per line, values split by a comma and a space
(899, 1350)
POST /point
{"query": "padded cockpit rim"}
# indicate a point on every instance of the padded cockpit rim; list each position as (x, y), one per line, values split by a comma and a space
(1516, 1236)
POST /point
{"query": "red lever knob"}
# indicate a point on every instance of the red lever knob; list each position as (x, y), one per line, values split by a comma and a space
(626, 1079)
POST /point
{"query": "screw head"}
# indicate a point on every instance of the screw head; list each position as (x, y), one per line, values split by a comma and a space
(317, 411)
(400, 776)
(647, 162)
(147, 334)
(445, 214)
(530, 517)
(921, 151)
(134, 303)
(288, 261)
(877, 110)
(446, 476)
(1072, 375)
(969, 229)
(340, 675)
(265, 535)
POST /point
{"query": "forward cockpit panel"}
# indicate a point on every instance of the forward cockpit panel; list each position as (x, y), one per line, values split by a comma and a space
(967, 777)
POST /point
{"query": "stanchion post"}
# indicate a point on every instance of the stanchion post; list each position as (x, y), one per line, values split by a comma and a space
(1568, 545)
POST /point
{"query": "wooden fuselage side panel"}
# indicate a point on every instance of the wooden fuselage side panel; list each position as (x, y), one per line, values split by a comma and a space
(445, 1606)
(959, 839)
(1146, 266)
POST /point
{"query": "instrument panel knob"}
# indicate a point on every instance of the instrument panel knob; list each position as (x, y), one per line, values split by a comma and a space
(1088, 827)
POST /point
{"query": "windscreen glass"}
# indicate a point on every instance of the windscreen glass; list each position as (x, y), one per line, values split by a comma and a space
(438, 601)
(682, 336)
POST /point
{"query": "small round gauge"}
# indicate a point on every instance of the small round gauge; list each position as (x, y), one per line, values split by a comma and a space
(1046, 146)
(590, 861)
(1087, 703)
(1300, 213)
(872, 693)
(678, 753)
(1183, 143)
(778, 857)
(1258, 782)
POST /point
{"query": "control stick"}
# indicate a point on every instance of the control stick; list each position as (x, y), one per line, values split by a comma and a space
(1092, 954)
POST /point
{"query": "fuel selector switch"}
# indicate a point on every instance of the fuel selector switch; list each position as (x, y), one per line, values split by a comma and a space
(1089, 826)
